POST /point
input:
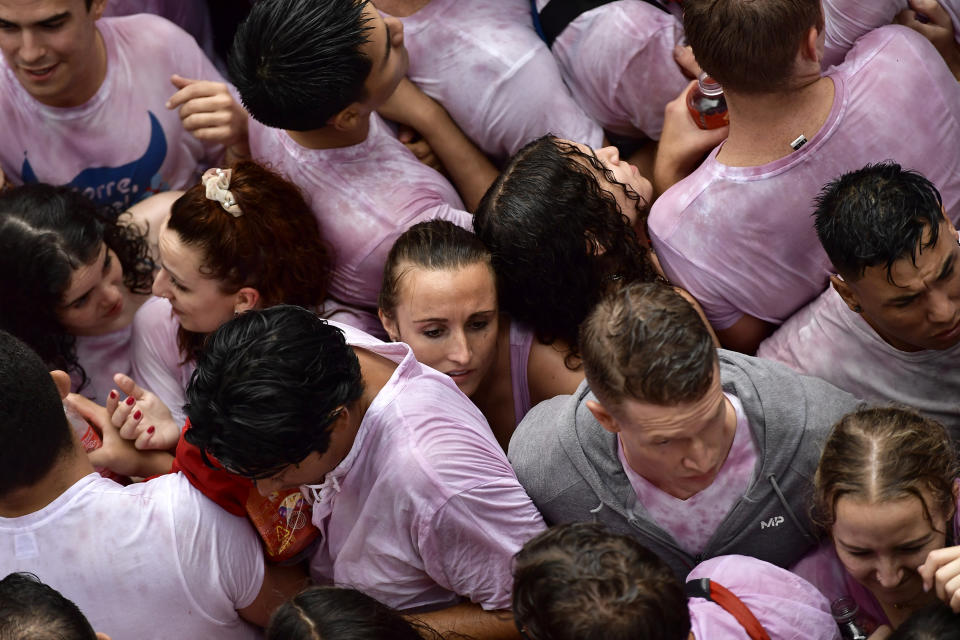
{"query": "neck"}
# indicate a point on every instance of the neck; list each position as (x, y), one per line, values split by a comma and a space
(66, 472)
(375, 370)
(400, 8)
(763, 126)
(331, 137)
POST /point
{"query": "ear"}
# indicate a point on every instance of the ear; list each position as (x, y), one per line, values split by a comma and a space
(603, 416)
(97, 7)
(247, 298)
(811, 49)
(102, 636)
(347, 119)
(390, 324)
(849, 297)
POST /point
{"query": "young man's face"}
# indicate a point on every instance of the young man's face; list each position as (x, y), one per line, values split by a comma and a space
(679, 449)
(388, 56)
(51, 46)
(918, 307)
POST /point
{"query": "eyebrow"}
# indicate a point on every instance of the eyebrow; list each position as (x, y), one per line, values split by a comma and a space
(476, 313)
(40, 23)
(172, 274)
(103, 269)
(909, 543)
(947, 265)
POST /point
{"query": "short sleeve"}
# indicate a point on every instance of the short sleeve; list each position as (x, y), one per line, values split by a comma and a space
(469, 544)
(156, 358)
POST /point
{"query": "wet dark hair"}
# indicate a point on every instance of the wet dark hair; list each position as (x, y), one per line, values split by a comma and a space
(877, 215)
(33, 426)
(268, 384)
(433, 245)
(274, 246)
(297, 63)
(46, 233)
(936, 621)
(32, 610)
(559, 239)
(321, 613)
(646, 342)
(579, 581)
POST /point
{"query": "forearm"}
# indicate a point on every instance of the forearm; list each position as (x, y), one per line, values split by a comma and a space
(469, 169)
(471, 620)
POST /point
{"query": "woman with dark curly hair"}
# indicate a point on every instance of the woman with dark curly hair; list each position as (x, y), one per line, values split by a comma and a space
(565, 224)
(71, 281)
(242, 239)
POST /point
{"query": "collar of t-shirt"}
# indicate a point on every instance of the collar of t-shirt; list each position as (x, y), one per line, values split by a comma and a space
(692, 522)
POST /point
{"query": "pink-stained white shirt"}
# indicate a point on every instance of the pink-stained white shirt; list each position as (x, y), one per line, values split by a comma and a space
(425, 507)
(847, 20)
(123, 144)
(827, 340)
(691, 522)
(157, 363)
(484, 62)
(101, 357)
(618, 61)
(741, 239)
(192, 17)
(153, 560)
(364, 196)
(788, 607)
(521, 339)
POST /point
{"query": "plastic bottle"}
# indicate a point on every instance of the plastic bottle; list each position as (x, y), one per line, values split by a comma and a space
(706, 103)
(845, 612)
(90, 440)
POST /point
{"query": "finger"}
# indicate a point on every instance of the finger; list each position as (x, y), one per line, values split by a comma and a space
(686, 61)
(420, 149)
(129, 429)
(113, 400)
(221, 135)
(917, 22)
(197, 90)
(146, 437)
(119, 417)
(215, 103)
(180, 81)
(90, 411)
(406, 134)
(208, 120)
(129, 386)
(62, 380)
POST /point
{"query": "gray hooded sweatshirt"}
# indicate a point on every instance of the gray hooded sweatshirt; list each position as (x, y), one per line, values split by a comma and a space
(568, 464)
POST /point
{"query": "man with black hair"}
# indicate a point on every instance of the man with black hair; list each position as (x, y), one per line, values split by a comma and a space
(888, 329)
(736, 232)
(198, 570)
(416, 503)
(695, 452)
(117, 108)
(33, 610)
(314, 98)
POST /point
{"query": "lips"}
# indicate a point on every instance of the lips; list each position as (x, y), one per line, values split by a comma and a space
(39, 73)
(460, 375)
(950, 333)
(115, 309)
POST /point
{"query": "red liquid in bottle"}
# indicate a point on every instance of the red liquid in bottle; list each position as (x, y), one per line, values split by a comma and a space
(706, 103)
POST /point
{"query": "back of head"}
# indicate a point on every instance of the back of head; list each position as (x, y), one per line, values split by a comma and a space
(559, 239)
(883, 454)
(319, 613)
(934, 622)
(35, 430)
(297, 63)
(581, 582)
(32, 610)
(746, 45)
(432, 245)
(647, 343)
(267, 386)
(875, 216)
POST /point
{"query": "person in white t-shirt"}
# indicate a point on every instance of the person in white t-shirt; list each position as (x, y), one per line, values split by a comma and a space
(192, 569)
(888, 330)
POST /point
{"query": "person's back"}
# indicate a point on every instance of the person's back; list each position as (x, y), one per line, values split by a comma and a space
(715, 458)
(116, 140)
(737, 233)
(191, 565)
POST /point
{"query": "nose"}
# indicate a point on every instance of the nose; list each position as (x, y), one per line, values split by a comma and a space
(161, 284)
(460, 351)
(942, 308)
(697, 458)
(889, 573)
(111, 296)
(609, 154)
(31, 49)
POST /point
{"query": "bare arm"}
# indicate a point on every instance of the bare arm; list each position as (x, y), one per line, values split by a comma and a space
(279, 585)
(469, 169)
(547, 373)
(929, 19)
(745, 335)
(471, 620)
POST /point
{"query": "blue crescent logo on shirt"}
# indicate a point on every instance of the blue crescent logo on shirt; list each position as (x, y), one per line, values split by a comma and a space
(120, 187)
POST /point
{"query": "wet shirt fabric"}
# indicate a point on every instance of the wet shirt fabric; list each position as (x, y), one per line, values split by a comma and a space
(123, 144)
(425, 507)
(741, 239)
(101, 357)
(618, 61)
(484, 62)
(828, 340)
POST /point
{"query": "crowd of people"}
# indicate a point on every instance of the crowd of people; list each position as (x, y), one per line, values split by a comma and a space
(357, 319)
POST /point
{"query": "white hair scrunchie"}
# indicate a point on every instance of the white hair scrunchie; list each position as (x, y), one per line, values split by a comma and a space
(217, 183)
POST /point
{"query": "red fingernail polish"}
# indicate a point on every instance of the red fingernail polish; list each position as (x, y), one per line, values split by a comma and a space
(137, 414)
(130, 401)
(113, 395)
(150, 430)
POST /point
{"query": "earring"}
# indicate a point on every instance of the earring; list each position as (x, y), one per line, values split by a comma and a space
(236, 314)
(857, 309)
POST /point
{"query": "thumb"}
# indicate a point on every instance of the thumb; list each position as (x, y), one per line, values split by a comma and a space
(129, 386)
(180, 82)
(932, 10)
